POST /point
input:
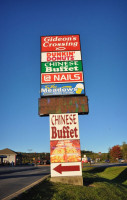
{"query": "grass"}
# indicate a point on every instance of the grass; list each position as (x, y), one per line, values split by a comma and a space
(100, 183)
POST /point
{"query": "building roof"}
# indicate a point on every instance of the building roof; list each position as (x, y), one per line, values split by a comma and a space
(7, 151)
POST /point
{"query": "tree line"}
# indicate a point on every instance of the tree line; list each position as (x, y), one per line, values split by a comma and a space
(29, 158)
(114, 154)
(118, 152)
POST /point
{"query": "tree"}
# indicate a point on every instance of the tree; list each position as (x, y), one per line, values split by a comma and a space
(115, 153)
(124, 150)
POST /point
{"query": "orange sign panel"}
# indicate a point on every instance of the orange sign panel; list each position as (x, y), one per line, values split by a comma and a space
(65, 151)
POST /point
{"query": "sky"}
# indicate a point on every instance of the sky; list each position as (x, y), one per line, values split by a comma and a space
(102, 25)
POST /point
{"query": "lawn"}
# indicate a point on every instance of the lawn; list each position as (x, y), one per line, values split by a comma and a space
(100, 183)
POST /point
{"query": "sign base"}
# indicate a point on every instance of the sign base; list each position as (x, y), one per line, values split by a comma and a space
(73, 180)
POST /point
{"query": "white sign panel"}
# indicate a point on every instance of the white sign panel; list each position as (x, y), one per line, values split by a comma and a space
(66, 169)
(64, 126)
(60, 56)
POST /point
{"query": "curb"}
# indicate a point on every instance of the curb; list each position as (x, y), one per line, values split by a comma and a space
(25, 188)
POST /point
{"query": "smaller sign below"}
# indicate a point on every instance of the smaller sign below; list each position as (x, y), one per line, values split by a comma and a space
(60, 56)
(61, 77)
(62, 89)
(61, 66)
(64, 127)
(66, 169)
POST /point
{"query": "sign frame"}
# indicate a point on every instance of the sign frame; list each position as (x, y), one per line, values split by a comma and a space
(65, 74)
(53, 86)
(68, 66)
(61, 35)
(53, 104)
(81, 61)
(58, 171)
(67, 123)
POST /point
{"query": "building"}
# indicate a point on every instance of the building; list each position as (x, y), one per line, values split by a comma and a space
(7, 156)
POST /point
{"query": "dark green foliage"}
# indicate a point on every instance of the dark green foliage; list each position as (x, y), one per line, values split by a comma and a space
(124, 150)
(34, 157)
(93, 156)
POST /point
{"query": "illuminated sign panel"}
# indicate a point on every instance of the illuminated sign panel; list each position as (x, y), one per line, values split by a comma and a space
(61, 66)
(62, 89)
(64, 127)
(60, 43)
(60, 56)
(61, 77)
(63, 104)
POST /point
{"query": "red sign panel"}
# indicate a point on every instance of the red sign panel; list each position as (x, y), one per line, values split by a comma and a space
(60, 43)
(61, 77)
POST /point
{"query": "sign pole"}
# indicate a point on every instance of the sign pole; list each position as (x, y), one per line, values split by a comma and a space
(62, 98)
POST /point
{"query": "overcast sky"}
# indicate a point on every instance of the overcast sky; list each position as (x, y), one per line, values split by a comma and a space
(102, 25)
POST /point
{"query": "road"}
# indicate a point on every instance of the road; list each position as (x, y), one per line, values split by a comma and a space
(105, 165)
(14, 178)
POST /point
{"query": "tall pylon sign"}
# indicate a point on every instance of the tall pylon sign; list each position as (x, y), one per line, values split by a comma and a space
(62, 97)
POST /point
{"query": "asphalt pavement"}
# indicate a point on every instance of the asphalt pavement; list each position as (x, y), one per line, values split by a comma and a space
(105, 165)
(14, 179)
(10, 169)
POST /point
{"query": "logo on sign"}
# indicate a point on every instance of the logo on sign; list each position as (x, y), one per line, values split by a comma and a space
(57, 43)
(60, 48)
(61, 66)
(55, 56)
(47, 78)
(60, 56)
(62, 89)
(61, 77)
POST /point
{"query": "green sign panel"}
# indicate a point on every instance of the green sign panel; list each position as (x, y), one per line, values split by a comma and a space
(62, 66)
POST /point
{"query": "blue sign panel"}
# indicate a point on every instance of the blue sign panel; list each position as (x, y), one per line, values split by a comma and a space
(62, 89)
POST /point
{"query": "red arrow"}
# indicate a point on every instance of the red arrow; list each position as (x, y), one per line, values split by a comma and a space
(61, 168)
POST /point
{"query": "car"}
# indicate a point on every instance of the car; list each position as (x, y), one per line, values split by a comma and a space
(48, 162)
(121, 160)
(107, 161)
